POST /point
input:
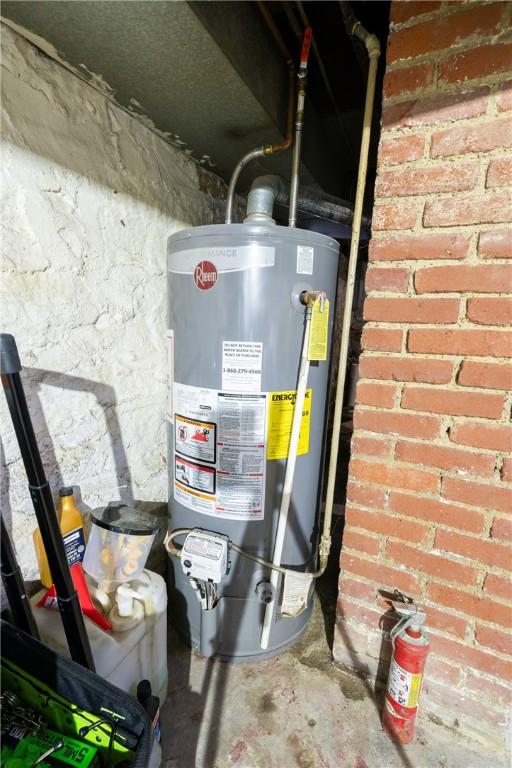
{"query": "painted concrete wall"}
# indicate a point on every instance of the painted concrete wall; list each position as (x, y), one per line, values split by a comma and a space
(430, 479)
(90, 195)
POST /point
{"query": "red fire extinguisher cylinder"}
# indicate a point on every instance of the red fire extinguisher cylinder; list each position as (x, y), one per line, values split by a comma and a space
(410, 650)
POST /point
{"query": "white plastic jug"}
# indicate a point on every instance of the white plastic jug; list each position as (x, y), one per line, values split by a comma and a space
(135, 650)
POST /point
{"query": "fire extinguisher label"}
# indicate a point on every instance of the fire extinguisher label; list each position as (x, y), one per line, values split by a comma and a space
(404, 687)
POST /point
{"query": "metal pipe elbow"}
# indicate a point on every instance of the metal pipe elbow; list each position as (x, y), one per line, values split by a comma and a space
(265, 190)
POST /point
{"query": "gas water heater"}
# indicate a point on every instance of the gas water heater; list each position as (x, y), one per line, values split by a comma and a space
(236, 333)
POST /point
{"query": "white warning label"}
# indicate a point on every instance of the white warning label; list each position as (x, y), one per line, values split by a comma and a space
(305, 257)
(241, 366)
(200, 502)
(195, 415)
(220, 452)
(197, 476)
(241, 459)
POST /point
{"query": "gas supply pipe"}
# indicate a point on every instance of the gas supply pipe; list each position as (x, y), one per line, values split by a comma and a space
(299, 122)
(373, 49)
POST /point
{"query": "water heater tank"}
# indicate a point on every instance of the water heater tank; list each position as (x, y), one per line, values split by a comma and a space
(236, 327)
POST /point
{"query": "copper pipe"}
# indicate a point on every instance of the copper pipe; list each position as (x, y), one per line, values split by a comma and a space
(278, 39)
(267, 149)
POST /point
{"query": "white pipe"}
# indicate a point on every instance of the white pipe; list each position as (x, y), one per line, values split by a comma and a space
(373, 48)
(288, 478)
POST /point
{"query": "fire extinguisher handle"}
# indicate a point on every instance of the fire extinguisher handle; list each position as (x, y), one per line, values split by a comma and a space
(410, 614)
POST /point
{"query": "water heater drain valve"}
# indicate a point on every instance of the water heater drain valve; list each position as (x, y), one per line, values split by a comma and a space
(204, 556)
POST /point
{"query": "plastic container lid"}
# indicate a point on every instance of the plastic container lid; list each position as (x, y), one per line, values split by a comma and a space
(122, 519)
(67, 491)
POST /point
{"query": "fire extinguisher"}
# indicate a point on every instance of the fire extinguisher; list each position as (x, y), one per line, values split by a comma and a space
(410, 650)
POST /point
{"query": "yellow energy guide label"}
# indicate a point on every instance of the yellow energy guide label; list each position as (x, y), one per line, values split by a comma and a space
(280, 416)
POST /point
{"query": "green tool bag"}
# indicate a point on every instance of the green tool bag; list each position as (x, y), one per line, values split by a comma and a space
(74, 701)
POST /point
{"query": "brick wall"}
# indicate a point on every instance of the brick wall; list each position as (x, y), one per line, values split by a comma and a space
(430, 482)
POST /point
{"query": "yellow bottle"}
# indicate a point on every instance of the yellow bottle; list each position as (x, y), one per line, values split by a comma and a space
(73, 534)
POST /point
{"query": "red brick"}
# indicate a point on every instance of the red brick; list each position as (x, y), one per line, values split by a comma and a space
(370, 545)
(494, 638)
(366, 495)
(449, 703)
(454, 403)
(435, 109)
(480, 278)
(388, 525)
(361, 590)
(488, 663)
(362, 614)
(493, 437)
(428, 455)
(408, 9)
(386, 279)
(394, 216)
(499, 586)
(482, 550)
(469, 604)
(382, 339)
(506, 470)
(421, 181)
(439, 33)
(494, 208)
(477, 494)
(383, 575)
(486, 688)
(502, 529)
(396, 423)
(477, 62)
(485, 375)
(441, 670)
(408, 80)
(492, 311)
(401, 150)
(416, 247)
(381, 395)
(504, 100)
(437, 511)
(431, 564)
(411, 310)
(446, 621)
(460, 341)
(369, 446)
(495, 134)
(499, 173)
(393, 477)
(495, 244)
(425, 370)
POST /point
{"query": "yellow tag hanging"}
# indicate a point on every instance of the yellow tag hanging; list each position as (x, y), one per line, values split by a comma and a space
(319, 331)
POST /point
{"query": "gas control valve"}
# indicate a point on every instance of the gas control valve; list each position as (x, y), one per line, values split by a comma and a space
(204, 555)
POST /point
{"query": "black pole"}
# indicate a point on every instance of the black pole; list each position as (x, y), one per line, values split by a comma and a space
(15, 586)
(67, 598)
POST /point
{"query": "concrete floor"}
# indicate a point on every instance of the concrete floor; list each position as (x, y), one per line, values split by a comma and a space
(294, 711)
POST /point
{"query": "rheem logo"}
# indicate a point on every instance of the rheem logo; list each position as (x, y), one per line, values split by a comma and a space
(205, 275)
